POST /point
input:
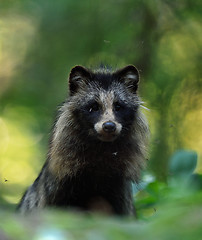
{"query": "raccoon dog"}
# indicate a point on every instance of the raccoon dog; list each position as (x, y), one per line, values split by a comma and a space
(97, 148)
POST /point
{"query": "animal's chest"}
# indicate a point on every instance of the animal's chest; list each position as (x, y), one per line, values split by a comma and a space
(88, 192)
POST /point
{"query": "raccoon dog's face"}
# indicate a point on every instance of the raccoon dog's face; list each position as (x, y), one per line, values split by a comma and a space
(104, 104)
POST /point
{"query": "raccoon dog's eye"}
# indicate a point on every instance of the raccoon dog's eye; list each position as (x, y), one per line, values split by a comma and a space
(94, 107)
(117, 106)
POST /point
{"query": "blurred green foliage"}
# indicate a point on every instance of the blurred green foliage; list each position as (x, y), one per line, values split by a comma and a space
(40, 41)
(165, 211)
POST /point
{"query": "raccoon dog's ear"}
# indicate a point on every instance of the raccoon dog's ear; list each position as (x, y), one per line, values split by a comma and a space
(78, 78)
(129, 75)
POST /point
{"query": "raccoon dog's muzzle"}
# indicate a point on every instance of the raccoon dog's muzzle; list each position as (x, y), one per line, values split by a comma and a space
(107, 130)
(109, 127)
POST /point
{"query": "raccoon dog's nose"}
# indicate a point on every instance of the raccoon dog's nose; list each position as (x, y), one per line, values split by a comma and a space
(109, 126)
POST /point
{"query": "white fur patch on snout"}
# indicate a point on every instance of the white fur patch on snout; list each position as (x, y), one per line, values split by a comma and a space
(106, 101)
(107, 136)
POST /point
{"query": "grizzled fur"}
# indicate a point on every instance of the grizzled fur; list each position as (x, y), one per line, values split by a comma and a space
(97, 148)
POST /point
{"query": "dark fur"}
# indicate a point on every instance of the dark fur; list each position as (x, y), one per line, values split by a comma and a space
(87, 167)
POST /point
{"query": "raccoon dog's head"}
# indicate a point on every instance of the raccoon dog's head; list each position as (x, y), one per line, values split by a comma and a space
(104, 104)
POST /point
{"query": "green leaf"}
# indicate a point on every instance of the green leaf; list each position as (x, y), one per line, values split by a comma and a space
(196, 181)
(183, 163)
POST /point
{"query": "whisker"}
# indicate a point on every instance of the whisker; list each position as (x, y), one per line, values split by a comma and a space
(145, 107)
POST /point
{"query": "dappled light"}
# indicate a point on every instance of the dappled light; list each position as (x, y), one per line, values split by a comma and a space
(16, 35)
(19, 151)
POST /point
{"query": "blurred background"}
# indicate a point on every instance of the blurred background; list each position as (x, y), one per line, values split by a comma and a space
(40, 41)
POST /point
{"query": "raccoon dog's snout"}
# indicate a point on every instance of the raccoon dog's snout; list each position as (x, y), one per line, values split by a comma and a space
(108, 130)
(109, 127)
